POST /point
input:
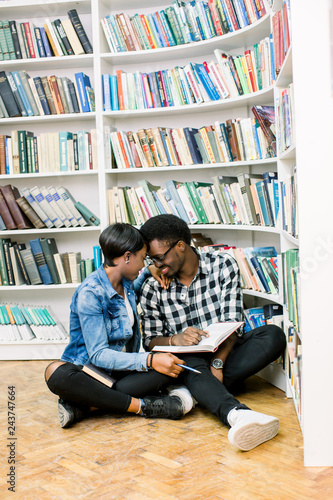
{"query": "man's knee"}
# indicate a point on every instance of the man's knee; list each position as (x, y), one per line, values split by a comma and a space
(277, 336)
(272, 337)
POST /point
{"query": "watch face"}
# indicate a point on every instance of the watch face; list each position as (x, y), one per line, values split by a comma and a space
(217, 364)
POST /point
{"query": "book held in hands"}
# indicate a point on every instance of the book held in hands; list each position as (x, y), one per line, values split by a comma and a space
(218, 333)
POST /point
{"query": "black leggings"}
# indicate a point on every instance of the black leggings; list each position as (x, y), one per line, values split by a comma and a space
(70, 383)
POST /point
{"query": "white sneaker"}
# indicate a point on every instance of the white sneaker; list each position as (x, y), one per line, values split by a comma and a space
(184, 395)
(250, 428)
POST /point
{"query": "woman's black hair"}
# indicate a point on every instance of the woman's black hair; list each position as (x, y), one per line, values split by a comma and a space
(117, 239)
(166, 227)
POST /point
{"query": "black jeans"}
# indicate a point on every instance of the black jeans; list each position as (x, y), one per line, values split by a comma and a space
(252, 352)
(70, 383)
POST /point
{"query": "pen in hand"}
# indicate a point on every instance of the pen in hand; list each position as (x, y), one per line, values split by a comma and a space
(188, 368)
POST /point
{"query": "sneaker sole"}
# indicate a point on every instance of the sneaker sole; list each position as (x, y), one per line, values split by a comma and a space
(253, 434)
(65, 418)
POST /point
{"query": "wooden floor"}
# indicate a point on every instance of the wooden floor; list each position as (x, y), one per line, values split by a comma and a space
(113, 457)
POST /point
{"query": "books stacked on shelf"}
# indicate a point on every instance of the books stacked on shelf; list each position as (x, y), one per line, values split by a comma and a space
(281, 34)
(240, 139)
(285, 122)
(20, 322)
(24, 40)
(228, 76)
(23, 152)
(258, 266)
(42, 207)
(289, 205)
(41, 263)
(22, 95)
(251, 199)
(290, 270)
(269, 314)
(180, 23)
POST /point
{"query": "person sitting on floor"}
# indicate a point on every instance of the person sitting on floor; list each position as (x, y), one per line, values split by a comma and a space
(104, 331)
(206, 288)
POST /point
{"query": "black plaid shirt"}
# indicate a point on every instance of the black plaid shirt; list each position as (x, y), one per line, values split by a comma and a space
(214, 295)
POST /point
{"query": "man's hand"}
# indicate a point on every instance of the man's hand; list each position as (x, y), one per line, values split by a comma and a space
(166, 363)
(164, 281)
(190, 336)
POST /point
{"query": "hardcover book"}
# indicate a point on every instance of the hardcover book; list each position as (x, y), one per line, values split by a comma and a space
(218, 333)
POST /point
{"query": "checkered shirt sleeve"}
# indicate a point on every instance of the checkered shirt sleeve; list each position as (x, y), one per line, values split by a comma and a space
(214, 295)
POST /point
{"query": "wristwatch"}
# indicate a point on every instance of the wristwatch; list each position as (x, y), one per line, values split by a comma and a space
(217, 364)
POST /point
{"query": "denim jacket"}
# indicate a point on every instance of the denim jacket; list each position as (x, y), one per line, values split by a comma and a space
(100, 326)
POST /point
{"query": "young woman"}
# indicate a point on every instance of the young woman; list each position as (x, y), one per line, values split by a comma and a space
(104, 331)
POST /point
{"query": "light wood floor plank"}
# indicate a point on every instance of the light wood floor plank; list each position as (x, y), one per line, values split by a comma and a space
(118, 457)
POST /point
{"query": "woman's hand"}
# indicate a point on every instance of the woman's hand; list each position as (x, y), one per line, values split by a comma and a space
(166, 363)
(164, 281)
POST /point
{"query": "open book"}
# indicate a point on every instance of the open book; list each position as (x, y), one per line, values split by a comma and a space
(218, 332)
(99, 374)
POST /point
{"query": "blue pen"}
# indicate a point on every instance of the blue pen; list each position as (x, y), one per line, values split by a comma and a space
(188, 368)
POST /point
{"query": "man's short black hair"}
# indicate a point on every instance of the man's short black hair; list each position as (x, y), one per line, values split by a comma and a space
(166, 227)
(119, 238)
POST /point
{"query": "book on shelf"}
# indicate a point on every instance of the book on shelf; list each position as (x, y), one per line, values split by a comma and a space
(218, 143)
(227, 76)
(58, 37)
(218, 202)
(21, 322)
(25, 152)
(39, 256)
(99, 374)
(218, 333)
(44, 207)
(9, 194)
(178, 24)
(254, 318)
(22, 95)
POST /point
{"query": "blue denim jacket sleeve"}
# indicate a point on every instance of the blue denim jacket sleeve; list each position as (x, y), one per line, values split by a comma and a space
(97, 340)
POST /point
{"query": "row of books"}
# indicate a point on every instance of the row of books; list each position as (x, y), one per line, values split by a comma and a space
(289, 205)
(231, 76)
(281, 34)
(55, 38)
(23, 152)
(41, 263)
(285, 122)
(181, 23)
(42, 207)
(269, 314)
(21, 322)
(21, 95)
(290, 270)
(233, 140)
(258, 266)
(250, 199)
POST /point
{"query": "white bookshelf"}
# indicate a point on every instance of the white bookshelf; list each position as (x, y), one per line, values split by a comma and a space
(313, 148)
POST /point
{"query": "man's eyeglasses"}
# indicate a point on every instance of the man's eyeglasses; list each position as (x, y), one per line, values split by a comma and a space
(159, 260)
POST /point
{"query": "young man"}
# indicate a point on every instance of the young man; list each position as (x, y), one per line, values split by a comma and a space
(206, 288)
